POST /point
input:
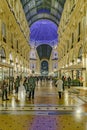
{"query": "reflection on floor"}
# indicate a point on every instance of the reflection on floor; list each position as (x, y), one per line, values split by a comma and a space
(46, 111)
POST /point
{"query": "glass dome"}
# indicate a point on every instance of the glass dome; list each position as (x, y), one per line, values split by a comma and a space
(43, 32)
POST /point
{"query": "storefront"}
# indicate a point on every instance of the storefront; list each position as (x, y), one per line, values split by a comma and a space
(6, 70)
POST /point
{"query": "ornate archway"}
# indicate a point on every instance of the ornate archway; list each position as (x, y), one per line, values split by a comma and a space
(44, 68)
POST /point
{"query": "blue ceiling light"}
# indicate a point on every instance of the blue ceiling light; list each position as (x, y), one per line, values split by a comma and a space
(43, 32)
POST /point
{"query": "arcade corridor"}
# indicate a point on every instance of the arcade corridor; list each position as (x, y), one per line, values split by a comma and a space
(43, 39)
(46, 111)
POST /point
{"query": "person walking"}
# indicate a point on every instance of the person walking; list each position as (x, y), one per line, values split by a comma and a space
(59, 84)
(69, 81)
(25, 84)
(4, 90)
(63, 79)
(17, 84)
(31, 86)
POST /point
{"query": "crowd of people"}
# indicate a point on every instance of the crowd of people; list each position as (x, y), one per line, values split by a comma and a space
(29, 84)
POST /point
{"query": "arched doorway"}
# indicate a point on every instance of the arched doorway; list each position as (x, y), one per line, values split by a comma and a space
(44, 68)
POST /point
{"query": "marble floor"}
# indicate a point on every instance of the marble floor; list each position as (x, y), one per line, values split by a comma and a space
(46, 111)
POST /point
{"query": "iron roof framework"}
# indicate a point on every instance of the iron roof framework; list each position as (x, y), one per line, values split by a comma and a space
(44, 51)
(43, 9)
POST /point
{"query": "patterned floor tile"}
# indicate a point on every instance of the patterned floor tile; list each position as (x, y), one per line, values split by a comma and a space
(46, 111)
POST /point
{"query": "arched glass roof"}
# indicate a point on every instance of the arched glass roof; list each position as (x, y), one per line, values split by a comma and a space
(40, 9)
(43, 32)
(43, 17)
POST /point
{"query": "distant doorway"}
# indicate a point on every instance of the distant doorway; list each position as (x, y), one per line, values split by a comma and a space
(44, 68)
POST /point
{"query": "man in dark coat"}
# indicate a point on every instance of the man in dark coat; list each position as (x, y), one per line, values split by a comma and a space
(31, 86)
(69, 81)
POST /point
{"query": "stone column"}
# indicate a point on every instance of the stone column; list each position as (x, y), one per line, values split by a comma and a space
(84, 72)
(84, 56)
(0, 32)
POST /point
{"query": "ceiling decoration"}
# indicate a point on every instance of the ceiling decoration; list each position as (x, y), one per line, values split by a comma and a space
(43, 17)
(43, 9)
(43, 32)
(44, 51)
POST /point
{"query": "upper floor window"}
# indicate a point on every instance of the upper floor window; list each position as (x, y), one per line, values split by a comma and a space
(12, 40)
(80, 54)
(4, 31)
(72, 40)
(17, 45)
(67, 45)
(73, 1)
(79, 31)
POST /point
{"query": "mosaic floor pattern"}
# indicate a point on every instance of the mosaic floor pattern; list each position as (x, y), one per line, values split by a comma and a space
(43, 122)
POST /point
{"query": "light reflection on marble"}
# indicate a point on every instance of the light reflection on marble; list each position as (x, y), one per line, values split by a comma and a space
(66, 101)
(78, 113)
(21, 96)
(13, 102)
(79, 110)
(51, 84)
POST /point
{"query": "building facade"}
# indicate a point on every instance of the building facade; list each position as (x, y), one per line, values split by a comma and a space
(14, 40)
(72, 40)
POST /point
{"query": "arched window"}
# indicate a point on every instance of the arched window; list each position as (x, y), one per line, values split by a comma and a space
(44, 68)
(2, 54)
(80, 54)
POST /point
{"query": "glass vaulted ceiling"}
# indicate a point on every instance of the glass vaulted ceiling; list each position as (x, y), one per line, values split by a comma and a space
(43, 32)
(44, 16)
(43, 9)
